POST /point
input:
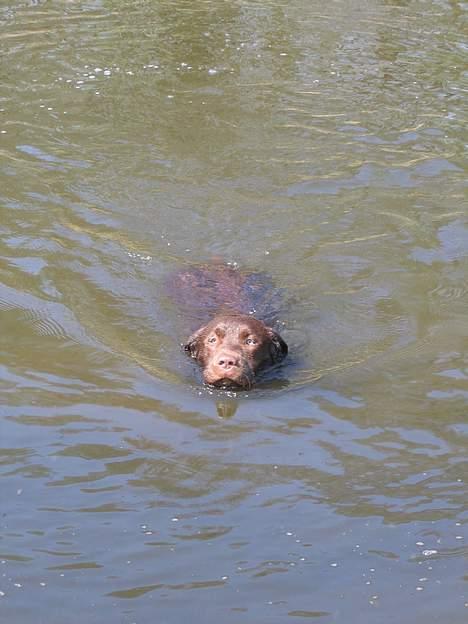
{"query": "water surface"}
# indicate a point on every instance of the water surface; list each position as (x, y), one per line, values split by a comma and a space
(320, 143)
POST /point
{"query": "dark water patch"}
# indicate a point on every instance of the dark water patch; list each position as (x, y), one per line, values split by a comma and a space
(77, 566)
(309, 614)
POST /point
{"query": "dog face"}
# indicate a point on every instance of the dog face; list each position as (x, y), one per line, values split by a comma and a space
(232, 348)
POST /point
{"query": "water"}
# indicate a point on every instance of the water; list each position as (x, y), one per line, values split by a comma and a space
(321, 143)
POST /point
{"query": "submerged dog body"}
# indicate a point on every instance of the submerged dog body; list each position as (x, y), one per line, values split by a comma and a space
(234, 345)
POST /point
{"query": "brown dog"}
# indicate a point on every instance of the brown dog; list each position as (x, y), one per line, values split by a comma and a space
(234, 346)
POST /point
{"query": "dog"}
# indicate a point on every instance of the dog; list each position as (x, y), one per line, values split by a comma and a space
(235, 344)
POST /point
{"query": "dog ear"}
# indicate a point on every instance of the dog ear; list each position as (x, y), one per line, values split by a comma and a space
(193, 345)
(278, 348)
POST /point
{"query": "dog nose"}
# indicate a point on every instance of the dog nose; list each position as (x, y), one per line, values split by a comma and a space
(228, 360)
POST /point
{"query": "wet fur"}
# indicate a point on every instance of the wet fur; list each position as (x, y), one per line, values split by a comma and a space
(234, 345)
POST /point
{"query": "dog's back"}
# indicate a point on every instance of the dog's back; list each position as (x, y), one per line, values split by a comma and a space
(200, 292)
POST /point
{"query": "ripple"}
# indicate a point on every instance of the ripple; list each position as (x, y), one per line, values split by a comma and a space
(44, 317)
(376, 176)
(453, 244)
(60, 163)
(451, 291)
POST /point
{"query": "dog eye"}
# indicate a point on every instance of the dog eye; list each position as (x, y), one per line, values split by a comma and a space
(212, 339)
(250, 341)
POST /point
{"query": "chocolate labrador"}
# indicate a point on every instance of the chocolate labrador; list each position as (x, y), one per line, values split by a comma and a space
(234, 345)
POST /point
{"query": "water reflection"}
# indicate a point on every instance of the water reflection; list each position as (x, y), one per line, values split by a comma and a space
(226, 409)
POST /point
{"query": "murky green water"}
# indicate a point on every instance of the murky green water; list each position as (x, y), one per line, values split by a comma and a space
(321, 142)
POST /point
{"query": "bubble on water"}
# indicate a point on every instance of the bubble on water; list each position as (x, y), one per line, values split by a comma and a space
(428, 552)
(97, 70)
(334, 565)
(419, 588)
(2, 593)
(80, 82)
(419, 543)
(175, 519)
(212, 71)
(107, 72)
(139, 256)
